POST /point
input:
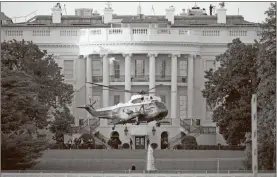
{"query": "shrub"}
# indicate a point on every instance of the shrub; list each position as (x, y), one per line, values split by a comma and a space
(125, 146)
(100, 146)
(189, 142)
(86, 137)
(154, 145)
(224, 147)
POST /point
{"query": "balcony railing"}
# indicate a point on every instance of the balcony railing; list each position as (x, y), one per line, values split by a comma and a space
(117, 78)
(161, 78)
(208, 130)
(182, 79)
(140, 78)
(97, 78)
(166, 121)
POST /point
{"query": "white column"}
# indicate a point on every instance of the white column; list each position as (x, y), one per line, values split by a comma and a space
(88, 79)
(190, 85)
(174, 69)
(106, 81)
(152, 73)
(128, 68)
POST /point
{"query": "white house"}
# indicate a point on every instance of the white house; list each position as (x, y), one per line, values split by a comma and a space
(148, 50)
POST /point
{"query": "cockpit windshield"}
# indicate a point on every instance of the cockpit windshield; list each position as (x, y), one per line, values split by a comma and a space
(138, 100)
(160, 105)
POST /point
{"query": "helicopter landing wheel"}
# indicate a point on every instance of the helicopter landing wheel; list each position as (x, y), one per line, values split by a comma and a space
(158, 124)
(137, 123)
(113, 127)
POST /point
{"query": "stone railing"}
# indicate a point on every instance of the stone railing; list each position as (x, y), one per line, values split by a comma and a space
(90, 35)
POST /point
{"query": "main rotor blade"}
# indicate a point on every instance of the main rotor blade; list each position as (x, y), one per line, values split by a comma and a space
(112, 88)
(153, 88)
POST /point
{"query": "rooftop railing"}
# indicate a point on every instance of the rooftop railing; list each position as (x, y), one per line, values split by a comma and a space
(87, 35)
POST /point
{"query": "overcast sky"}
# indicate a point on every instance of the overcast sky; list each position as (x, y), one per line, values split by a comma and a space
(252, 11)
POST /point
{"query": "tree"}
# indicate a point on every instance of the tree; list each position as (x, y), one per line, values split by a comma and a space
(62, 124)
(26, 56)
(267, 91)
(228, 90)
(31, 82)
(21, 115)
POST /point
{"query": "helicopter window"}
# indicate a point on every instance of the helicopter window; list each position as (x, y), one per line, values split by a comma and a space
(160, 105)
(138, 100)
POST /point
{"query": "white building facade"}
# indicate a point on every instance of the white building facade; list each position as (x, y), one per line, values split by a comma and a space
(136, 53)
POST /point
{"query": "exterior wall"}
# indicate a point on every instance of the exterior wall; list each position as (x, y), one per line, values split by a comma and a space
(207, 43)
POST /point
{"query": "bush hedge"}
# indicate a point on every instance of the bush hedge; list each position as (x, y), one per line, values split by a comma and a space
(125, 146)
(221, 147)
(210, 147)
(154, 145)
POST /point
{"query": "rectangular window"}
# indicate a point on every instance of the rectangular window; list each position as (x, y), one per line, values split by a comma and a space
(183, 67)
(183, 107)
(163, 66)
(116, 69)
(68, 69)
(116, 99)
(96, 67)
(139, 68)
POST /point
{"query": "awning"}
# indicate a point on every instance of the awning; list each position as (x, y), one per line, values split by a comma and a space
(139, 131)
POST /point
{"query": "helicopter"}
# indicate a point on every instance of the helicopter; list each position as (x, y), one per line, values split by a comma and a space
(140, 108)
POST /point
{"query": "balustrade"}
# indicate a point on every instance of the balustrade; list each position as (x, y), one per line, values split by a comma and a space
(117, 78)
(161, 78)
(140, 78)
(86, 35)
(97, 78)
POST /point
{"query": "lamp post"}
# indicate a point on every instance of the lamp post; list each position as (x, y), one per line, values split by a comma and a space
(126, 131)
(153, 131)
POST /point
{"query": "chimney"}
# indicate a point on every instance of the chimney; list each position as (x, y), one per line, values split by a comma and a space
(57, 13)
(204, 11)
(108, 14)
(170, 14)
(221, 15)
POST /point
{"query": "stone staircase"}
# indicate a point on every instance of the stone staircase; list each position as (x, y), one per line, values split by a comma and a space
(90, 126)
(190, 128)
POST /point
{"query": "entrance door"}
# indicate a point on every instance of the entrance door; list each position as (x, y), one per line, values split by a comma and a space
(140, 142)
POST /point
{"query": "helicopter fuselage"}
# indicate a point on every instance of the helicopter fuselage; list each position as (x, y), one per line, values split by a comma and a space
(145, 111)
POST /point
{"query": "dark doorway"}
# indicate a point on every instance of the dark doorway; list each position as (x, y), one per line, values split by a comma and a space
(164, 140)
(140, 142)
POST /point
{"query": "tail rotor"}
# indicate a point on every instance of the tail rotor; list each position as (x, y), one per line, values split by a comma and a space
(91, 104)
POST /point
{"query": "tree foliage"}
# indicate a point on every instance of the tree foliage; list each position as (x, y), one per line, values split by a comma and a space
(228, 90)
(21, 115)
(61, 124)
(245, 70)
(27, 57)
(31, 82)
(267, 91)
